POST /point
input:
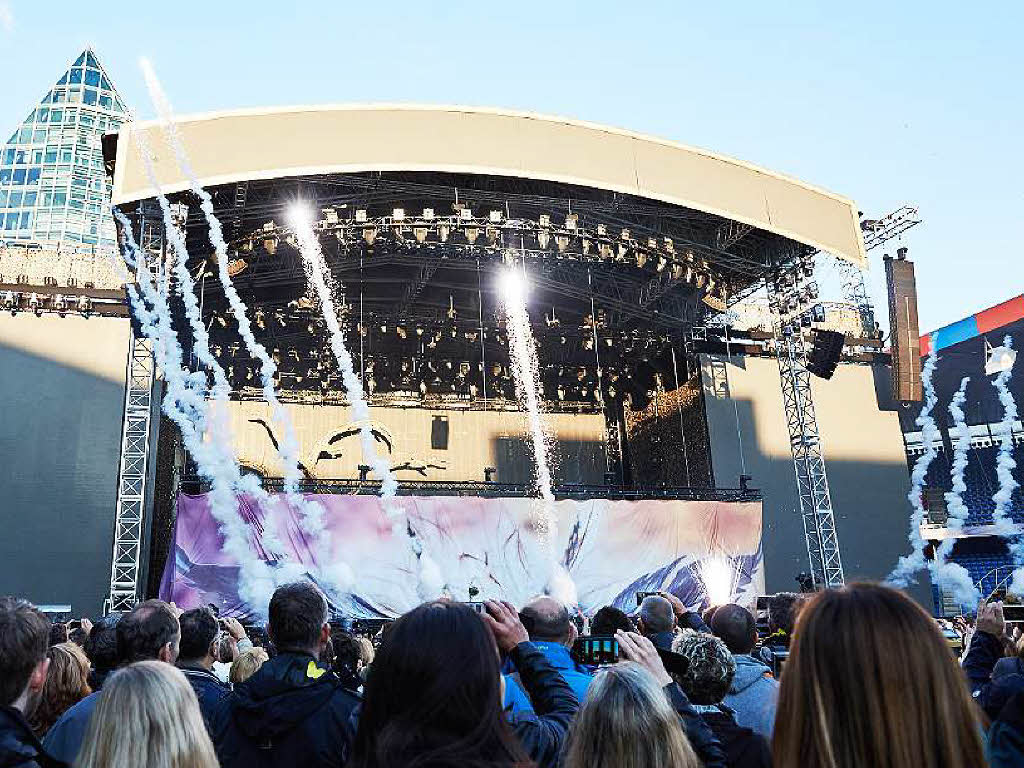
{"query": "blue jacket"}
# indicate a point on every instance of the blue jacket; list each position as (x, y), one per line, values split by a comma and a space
(64, 739)
(1006, 737)
(990, 693)
(209, 689)
(753, 695)
(577, 676)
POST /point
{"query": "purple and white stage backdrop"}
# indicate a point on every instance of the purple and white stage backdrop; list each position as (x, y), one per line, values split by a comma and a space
(611, 549)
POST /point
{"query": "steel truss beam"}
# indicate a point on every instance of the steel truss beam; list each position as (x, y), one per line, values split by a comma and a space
(132, 476)
(808, 460)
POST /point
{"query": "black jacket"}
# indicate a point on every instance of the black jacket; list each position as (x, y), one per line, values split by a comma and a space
(291, 712)
(1006, 737)
(19, 747)
(743, 748)
(991, 695)
(209, 690)
(702, 738)
(542, 732)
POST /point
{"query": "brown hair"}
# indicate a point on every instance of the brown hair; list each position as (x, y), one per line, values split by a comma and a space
(67, 683)
(870, 681)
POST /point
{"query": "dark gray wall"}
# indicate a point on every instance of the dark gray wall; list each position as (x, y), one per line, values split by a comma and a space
(864, 459)
(61, 403)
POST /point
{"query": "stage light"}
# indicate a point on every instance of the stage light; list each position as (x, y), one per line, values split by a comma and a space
(571, 221)
(561, 242)
(84, 305)
(495, 217)
(369, 235)
(60, 304)
(419, 330)
(300, 214)
(543, 240)
(602, 230)
(669, 245)
(677, 271)
(35, 304)
(465, 212)
(472, 233)
(544, 219)
(400, 330)
(641, 259)
(360, 215)
(661, 264)
(330, 215)
(513, 286)
(428, 214)
(398, 214)
(420, 233)
(443, 230)
(492, 235)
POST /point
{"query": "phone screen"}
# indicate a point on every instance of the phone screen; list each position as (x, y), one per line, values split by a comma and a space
(640, 596)
(478, 607)
(596, 650)
(1013, 613)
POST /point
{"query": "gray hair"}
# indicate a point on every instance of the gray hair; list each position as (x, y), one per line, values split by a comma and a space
(148, 715)
(626, 721)
(657, 615)
(710, 667)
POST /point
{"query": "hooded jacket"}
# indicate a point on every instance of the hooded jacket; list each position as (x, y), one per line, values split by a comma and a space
(753, 695)
(291, 712)
(19, 747)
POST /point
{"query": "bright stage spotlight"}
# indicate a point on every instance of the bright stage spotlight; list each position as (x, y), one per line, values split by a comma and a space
(513, 286)
(300, 214)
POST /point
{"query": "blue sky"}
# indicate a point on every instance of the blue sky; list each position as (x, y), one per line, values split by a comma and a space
(887, 103)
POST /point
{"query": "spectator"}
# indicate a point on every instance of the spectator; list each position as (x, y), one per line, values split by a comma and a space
(246, 664)
(292, 710)
(783, 608)
(101, 648)
(1006, 737)
(1011, 663)
(366, 654)
(147, 716)
(609, 620)
(552, 633)
(627, 722)
(67, 683)
(347, 662)
(24, 639)
(754, 693)
(870, 682)
(149, 632)
(78, 632)
(197, 652)
(434, 694)
(685, 618)
(709, 673)
(657, 621)
(233, 641)
(58, 634)
(984, 654)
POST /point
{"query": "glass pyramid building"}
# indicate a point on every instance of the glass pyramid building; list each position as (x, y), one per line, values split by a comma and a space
(53, 187)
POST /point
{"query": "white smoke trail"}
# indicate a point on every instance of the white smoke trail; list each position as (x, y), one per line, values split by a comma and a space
(185, 403)
(953, 577)
(1005, 463)
(908, 565)
(430, 580)
(311, 512)
(525, 369)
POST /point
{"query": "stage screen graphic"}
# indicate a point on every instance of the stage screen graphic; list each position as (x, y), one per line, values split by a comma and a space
(613, 550)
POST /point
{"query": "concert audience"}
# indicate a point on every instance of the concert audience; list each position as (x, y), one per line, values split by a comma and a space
(292, 710)
(985, 653)
(347, 662)
(149, 632)
(233, 641)
(246, 664)
(657, 621)
(552, 633)
(753, 694)
(67, 683)
(24, 639)
(58, 634)
(626, 721)
(609, 620)
(433, 696)
(870, 682)
(101, 648)
(783, 609)
(197, 652)
(147, 716)
(709, 673)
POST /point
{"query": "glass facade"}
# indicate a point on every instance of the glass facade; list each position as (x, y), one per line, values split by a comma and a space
(53, 188)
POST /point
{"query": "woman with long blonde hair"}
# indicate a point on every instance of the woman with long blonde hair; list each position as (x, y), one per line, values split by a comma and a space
(626, 721)
(67, 683)
(148, 715)
(870, 681)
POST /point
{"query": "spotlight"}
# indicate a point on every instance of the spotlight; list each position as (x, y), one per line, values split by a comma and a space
(300, 214)
(428, 213)
(398, 214)
(495, 217)
(420, 233)
(60, 303)
(360, 215)
(561, 242)
(84, 305)
(472, 233)
(513, 286)
(443, 230)
(571, 221)
(11, 300)
(544, 220)
(661, 263)
(35, 304)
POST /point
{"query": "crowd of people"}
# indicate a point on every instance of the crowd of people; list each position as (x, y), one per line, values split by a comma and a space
(847, 678)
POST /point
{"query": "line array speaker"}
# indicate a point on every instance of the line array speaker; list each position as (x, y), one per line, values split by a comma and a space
(825, 354)
(904, 334)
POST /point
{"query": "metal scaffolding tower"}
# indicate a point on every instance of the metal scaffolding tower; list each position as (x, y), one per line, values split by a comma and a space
(133, 476)
(808, 461)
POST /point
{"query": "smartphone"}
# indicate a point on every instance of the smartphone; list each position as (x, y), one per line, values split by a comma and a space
(641, 595)
(596, 650)
(479, 607)
(1013, 613)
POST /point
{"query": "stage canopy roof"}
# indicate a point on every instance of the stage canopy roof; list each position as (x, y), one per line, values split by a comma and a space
(227, 147)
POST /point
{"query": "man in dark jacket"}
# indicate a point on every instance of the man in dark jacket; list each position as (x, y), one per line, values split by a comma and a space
(709, 672)
(24, 638)
(293, 711)
(1006, 737)
(985, 650)
(197, 652)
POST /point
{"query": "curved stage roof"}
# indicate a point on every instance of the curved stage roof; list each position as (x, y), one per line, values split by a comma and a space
(227, 147)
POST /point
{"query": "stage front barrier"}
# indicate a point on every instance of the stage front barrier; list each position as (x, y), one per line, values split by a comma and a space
(612, 549)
